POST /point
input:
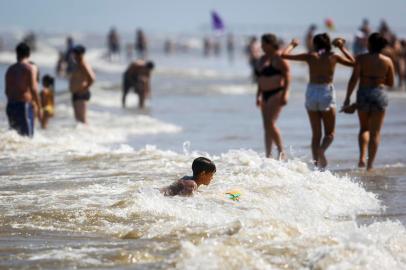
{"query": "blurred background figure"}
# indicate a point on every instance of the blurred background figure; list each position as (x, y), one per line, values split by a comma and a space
(137, 76)
(253, 52)
(309, 37)
(60, 69)
(168, 46)
(113, 44)
(141, 44)
(31, 40)
(70, 63)
(393, 50)
(216, 47)
(129, 51)
(360, 44)
(1, 44)
(230, 47)
(207, 46)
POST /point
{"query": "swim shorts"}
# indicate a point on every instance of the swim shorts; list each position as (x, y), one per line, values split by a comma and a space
(81, 96)
(372, 99)
(320, 97)
(21, 117)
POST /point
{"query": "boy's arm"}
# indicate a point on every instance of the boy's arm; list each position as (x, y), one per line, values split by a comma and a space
(173, 189)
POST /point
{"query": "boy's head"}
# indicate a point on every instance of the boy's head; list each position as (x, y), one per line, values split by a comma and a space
(47, 81)
(203, 170)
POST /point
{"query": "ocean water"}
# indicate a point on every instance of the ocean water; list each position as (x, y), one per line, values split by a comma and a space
(80, 196)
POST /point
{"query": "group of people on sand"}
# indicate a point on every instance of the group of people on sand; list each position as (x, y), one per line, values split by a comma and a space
(372, 70)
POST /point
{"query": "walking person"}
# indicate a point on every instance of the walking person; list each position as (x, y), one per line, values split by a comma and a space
(320, 94)
(273, 85)
(374, 71)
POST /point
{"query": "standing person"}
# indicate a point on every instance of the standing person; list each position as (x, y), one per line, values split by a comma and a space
(81, 79)
(47, 99)
(138, 76)
(141, 46)
(70, 64)
(22, 93)
(373, 70)
(273, 85)
(207, 46)
(309, 38)
(113, 43)
(230, 47)
(320, 94)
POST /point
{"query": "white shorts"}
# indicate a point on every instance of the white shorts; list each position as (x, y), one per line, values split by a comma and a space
(320, 97)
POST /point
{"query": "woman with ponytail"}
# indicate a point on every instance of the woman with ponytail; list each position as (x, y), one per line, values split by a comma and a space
(320, 95)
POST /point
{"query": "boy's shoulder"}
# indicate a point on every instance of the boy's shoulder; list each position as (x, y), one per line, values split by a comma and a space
(187, 177)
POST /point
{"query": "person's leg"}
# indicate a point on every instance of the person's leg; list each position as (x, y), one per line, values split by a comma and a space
(275, 108)
(315, 124)
(125, 89)
(329, 121)
(363, 137)
(265, 110)
(44, 120)
(141, 98)
(80, 110)
(375, 125)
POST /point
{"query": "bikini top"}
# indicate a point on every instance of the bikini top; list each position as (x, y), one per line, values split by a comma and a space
(268, 71)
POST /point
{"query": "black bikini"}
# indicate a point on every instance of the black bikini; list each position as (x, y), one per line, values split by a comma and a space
(269, 71)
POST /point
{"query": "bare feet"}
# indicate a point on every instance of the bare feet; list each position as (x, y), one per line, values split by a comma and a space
(322, 162)
(361, 164)
(282, 156)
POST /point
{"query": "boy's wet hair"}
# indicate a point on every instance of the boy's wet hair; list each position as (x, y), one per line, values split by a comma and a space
(48, 80)
(270, 39)
(22, 50)
(376, 43)
(150, 65)
(79, 49)
(202, 164)
(322, 42)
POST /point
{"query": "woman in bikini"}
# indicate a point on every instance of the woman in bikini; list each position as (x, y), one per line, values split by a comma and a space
(374, 71)
(273, 83)
(320, 94)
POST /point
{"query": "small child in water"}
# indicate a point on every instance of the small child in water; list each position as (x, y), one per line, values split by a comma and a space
(203, 171)
(47, 99)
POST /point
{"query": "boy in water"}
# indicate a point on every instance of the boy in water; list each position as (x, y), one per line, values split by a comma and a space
(203, 171)
(47, 99)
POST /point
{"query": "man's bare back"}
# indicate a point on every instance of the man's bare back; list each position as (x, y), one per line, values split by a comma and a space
(19, 82)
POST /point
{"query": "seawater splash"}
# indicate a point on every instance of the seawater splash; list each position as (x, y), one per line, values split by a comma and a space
(288, 217)
(186, 147)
